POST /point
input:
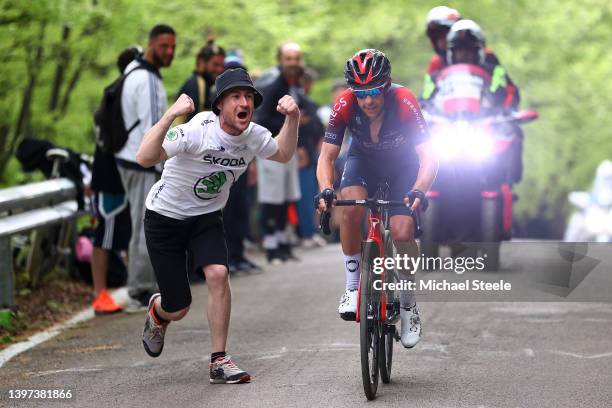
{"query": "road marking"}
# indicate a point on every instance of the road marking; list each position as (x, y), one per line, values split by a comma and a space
(120, 296)
(35, 340)
(566, 353)
(279, 354)
(66, 370)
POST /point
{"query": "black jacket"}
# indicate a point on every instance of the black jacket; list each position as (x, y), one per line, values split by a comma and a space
(190, 87)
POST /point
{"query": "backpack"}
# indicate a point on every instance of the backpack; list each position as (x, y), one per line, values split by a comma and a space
(111, 133)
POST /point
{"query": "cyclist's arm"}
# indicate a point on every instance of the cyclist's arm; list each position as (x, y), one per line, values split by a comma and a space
(428, 166)
(325, 167)
(332, 141)
(151, 151)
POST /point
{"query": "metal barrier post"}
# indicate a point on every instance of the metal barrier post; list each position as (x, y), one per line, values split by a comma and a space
(7, 299)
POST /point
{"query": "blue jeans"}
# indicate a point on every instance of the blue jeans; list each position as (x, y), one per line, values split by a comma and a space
(305, 206)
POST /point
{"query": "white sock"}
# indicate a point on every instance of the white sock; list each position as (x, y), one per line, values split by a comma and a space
(352, 270)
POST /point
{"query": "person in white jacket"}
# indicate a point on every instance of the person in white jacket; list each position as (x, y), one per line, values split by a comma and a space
(143, 102)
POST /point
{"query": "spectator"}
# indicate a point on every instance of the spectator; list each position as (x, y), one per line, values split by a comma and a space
(200, 85)
(311, 132)
(277, 183)
(234, 59)
(112, 211)
(143, 102)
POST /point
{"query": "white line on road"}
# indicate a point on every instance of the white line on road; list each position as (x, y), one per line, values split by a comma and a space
(35, 340)
(120, 296)
(66, 370)
(566, 353)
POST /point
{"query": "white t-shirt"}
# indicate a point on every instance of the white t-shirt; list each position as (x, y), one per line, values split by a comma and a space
(204, 161)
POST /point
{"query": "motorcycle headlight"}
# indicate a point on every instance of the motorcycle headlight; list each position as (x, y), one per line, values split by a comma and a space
(445, 144)
(478, 145)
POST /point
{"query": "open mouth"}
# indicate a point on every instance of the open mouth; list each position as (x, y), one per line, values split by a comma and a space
(242, 115)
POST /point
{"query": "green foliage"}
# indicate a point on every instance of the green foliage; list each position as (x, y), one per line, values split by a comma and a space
(556, 52)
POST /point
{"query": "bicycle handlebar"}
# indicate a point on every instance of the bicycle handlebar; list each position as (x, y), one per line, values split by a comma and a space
(373, 204)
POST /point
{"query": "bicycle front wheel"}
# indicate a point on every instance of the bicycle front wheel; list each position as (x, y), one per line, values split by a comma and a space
(387, 334)
(370, 329)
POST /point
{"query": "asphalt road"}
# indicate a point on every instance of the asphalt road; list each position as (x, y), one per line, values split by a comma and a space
(285, 331)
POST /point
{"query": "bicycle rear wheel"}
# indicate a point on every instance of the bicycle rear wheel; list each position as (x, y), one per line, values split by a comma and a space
(369, 323)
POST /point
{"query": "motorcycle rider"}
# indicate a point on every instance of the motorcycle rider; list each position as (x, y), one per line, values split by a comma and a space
(439, 22)
(466, 44)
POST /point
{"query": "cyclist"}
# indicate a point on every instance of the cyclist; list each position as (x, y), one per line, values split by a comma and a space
(390, 141)
(204, 158)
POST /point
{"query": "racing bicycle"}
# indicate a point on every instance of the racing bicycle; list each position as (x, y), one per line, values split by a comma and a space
(378, 307)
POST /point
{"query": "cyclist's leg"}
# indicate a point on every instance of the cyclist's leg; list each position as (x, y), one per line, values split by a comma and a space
(402, 227)
(353, 187)
(402, 232)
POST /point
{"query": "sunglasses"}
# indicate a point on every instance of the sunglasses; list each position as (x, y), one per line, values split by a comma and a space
(362, 93)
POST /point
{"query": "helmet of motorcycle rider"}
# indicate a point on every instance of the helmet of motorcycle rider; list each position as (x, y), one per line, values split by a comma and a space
(465, 38)
(439, 21)
(367, 67)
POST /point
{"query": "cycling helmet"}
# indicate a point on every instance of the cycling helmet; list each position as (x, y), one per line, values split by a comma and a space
(367, 67)
(465, 34)
(439, 21)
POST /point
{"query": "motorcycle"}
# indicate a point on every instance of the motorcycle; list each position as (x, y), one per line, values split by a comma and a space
(593, 223)
(479, 150)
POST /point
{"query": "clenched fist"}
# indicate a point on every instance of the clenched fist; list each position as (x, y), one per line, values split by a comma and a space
(288, 107)
(182, 106)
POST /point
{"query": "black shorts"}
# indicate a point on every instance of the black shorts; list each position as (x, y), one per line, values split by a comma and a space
(176, 245)
(114, 228)
(367, 172)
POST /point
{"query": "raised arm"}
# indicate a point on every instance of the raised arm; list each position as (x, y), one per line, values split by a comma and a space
(287, 137)
(151, 151)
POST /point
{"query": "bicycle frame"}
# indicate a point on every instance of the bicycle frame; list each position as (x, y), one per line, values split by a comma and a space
(374, 227)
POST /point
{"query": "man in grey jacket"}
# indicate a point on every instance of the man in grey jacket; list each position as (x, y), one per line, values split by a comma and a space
(143, 102)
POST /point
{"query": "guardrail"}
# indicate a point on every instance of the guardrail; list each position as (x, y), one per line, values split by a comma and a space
(32, 207)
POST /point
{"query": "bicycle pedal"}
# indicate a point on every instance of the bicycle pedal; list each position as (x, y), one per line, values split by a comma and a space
(396, 335)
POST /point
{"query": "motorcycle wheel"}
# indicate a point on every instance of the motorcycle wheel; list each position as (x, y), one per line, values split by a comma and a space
(428, 243)
(491, 220)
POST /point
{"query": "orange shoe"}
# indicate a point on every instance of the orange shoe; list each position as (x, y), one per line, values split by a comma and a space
(104, 304)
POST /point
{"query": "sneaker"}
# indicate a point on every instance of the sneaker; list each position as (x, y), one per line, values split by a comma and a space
(237, 267)
(308, 243)
(348, 305)
(286, 254)
(224, 371)
(273, 257)
(411, 326)
(137, 303)
(153, 333)
(104, 304)
(319, 240)
(249, 266)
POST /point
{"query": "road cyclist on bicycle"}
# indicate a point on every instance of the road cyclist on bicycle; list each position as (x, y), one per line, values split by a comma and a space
(390, 142)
